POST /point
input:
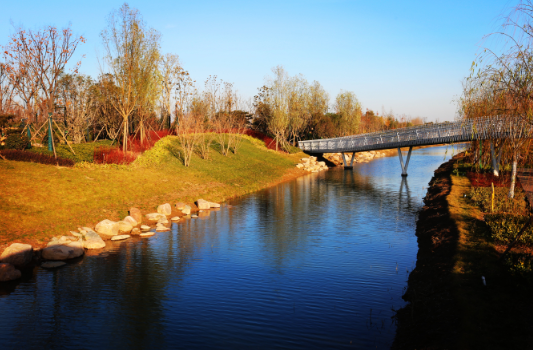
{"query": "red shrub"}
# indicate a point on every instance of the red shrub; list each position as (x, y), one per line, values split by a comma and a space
(269, 141)
(25, 156)
(113, 155)
(486, 179)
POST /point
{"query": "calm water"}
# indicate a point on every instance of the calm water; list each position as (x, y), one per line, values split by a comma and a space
(318, 262)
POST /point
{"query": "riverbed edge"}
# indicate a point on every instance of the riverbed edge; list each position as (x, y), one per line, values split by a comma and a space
(431, 318)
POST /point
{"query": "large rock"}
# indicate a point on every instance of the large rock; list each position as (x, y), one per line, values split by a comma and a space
(124, 227)
(8, 272)
(145, 228)
(93, 241)
(186, 210)
(136, 214)
(131, 220)
(135, 232)
(107, 228)
(155, 216)
(17, 254)
(63, 251)
(52, 264)
(202, 204)
(164, 209)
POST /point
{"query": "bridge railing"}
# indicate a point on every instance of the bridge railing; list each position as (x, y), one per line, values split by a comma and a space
(461, 131)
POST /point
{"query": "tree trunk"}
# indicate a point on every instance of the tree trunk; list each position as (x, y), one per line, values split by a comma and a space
(513, 174)
(125, 139)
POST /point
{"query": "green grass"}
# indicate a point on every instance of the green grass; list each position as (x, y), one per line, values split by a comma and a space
(39, 201)
(84, 151)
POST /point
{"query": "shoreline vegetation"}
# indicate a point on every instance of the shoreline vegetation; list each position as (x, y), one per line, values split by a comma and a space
(460, 294)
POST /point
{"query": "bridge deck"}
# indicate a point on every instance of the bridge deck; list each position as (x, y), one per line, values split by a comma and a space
(428, 134)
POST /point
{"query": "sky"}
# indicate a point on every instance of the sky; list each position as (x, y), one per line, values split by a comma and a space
(408, 57)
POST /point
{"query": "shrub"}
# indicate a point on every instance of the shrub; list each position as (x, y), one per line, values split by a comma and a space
(504, 228)
(482, 196)
(84, 151)
(26, 156)
(113, 155)
(17, 141)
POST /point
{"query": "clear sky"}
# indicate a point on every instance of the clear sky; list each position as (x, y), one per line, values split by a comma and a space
(406, 56)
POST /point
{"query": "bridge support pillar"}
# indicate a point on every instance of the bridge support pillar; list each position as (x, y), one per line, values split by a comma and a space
(404, 166)
(346, 166)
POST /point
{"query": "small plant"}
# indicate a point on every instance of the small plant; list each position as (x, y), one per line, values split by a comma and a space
(17, 141)
(504, 228)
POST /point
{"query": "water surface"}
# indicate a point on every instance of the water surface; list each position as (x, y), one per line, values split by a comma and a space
(319, 262)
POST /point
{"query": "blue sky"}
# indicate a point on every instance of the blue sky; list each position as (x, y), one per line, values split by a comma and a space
(406, 56)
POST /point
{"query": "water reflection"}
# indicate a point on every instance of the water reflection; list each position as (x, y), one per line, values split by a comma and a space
(318, 262)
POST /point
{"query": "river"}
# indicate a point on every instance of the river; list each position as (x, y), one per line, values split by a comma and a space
(318, 262)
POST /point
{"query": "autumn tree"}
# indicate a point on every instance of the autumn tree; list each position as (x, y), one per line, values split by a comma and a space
(131, 57)
(348, 107)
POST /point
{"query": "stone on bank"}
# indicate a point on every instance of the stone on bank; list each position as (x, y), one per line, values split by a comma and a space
(17, 254)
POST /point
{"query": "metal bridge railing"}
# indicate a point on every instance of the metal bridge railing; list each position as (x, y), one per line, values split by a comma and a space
(428, 134)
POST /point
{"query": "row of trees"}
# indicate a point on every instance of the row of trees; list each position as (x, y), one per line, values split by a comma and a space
(501, 86)
(141, 89)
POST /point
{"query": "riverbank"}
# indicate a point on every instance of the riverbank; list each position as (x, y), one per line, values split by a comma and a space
(38, 202)
(450, 306)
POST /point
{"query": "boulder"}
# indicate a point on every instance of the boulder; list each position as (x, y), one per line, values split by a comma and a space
(63, 251)
(214, 205)
(186, 210)
(147, 234)
(194, 216)
(136, 214)
(17, 254)
(145, 228)
(124, 227)
(107, 228)
(8, 272)
(93, 241)
(120, 237)
(154, 216)
(175, 218)
(52, 264)
(202, 204)
(164, 209)
(162, 221)
(180, 205)
(131, 220)
(135, 232)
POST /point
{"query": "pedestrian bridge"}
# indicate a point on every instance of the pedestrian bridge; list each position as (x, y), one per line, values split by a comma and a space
(422, 135)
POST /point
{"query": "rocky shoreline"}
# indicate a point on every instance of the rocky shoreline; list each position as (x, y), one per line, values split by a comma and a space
(18, 257)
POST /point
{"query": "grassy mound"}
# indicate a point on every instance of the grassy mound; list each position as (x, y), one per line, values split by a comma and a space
(40, 201)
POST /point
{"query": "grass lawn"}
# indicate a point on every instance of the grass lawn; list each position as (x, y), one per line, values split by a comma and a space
(38, 201)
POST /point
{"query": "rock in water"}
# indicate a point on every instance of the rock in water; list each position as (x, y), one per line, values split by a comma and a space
(52, 264)
(120, 237)
(107, 228)
(8, 272)
(186, 210)
(136, 214)
(147, 234)
(180, 205)
(124, 227)
(145, 228)
(93, 241)
(17, 254)
(130, 220)
(164, 209)
(203, 204)
(175, 218)
(135, 232)
(162, 221)
(63, 251)
(155, 216)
